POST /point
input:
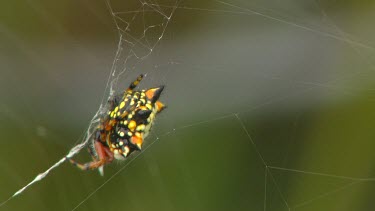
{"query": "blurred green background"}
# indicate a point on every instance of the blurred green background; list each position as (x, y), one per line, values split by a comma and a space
(270, 103)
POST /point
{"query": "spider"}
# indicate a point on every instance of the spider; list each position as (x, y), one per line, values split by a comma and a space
(122, 130)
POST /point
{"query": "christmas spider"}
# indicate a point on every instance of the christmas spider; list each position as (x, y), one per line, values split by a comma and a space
(122, 130)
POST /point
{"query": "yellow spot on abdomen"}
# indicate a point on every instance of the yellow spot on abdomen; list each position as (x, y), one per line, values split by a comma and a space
(122, 104)
(138, 135)
(126, 148)
(141, 127)
(132, 124)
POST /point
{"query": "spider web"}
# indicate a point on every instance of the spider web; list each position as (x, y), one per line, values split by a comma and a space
(252, 142)
(135, 45)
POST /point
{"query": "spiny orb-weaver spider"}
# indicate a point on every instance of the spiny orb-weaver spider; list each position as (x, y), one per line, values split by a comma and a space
(122, 130)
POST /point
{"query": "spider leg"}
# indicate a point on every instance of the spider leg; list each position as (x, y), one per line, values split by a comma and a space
(91, 149)
(135, 83)
(104, 156)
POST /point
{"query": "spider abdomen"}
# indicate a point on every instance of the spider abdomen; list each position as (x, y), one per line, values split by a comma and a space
(134, 117)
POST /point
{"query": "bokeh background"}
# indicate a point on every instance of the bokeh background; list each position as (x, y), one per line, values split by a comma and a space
(270, 103)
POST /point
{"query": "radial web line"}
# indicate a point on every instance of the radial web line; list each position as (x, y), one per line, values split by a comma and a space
(113, 176)
(263, 161)
(302, 204)
(368, 179)
(326, 34)
(343, 34)
(71, 153)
